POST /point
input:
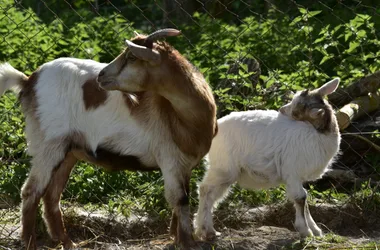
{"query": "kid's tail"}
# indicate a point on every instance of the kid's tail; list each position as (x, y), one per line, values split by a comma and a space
(10, 78)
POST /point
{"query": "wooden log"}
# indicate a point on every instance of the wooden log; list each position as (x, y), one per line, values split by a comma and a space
(362, 105)
(365, 85)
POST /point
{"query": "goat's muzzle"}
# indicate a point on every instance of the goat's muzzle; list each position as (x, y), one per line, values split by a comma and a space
(106, 83)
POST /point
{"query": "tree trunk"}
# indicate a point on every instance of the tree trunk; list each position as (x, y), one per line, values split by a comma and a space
(357, 108)
(365, 85)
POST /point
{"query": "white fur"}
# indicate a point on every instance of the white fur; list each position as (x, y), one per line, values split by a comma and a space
(111, 122)
(56, 112)
(60, 96)
(261, 149)
(9, 78)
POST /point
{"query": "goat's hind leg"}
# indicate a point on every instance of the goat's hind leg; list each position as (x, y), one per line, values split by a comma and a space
(43, 164)
(213, 188)
(311, 223)
(298, 195)
(52, 211)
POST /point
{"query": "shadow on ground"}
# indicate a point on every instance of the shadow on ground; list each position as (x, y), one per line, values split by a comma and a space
(268, 227)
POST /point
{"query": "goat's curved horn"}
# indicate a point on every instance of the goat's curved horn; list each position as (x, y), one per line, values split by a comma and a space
(160, 34)
(143, 52)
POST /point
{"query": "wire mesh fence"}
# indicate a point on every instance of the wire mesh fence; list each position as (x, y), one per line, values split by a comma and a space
(255, 55)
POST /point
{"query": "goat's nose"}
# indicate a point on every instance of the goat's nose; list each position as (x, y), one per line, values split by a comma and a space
(101, 73)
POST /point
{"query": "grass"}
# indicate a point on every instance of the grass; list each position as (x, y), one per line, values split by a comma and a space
(332, 241)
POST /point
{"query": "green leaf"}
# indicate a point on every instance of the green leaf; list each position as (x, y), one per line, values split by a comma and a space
(224, 90)
(244, 67)
(347, 35)
(302, 10)
(295, 47)
(361, 34)
(353, 46)
(16, 119)
(314, 13)
(270, 83)
(337, 28)
(324, 59)
(319, 40)
(62, 42)
(296, 20)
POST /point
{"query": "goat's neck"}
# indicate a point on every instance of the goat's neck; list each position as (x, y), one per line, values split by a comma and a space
(334, 127)
(328, 124)
(189, 97)
(184, 86)
(188, 112)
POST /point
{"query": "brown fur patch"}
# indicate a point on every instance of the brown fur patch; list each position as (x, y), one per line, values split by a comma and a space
(192, 136)
(104, 156)
(27, 94)
(30, 200)
(184, 233)
(175, 95)
(216, 129)
(116, 162)
(93, 94)
(52, 212)
(191, 126)
(174, 224)
(307, 102)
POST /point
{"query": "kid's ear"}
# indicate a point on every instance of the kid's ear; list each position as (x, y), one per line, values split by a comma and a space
(329, 87)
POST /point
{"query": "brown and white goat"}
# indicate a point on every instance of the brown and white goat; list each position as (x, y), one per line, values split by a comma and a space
(162, 116)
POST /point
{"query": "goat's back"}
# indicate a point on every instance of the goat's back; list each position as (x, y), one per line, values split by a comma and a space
(69, 103)
(270, 147)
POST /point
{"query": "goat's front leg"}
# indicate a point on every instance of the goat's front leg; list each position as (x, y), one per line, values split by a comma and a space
(174, 224)
(177, 187)
(213, 187)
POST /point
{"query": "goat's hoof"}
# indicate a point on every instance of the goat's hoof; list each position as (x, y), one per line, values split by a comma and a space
(211, 236)
(173, 232)
(69, 245)
(317, 232)
(307, 233)
(185, 241)
(31, 245)
(190, 244)
(208, 235)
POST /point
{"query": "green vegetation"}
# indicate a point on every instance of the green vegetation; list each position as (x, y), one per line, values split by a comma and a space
(296, 49)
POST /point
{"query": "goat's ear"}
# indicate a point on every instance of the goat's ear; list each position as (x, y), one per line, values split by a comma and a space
(316, 113)
(329, 87)
(143, 52)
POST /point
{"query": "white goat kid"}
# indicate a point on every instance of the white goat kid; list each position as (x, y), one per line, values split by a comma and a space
(163, 116)
(261, 149)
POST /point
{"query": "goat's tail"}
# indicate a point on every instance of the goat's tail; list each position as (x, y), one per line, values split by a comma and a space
(10, 78)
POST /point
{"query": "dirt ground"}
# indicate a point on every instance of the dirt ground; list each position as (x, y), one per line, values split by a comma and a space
(268, 227)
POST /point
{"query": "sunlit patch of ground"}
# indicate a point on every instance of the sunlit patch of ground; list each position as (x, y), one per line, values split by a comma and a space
(267, 227)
